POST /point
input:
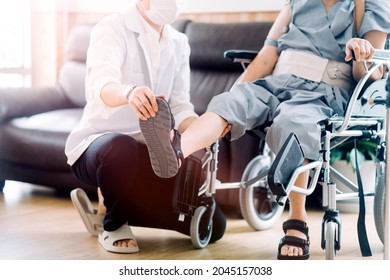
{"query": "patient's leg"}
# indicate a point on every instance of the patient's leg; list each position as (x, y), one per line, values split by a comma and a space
(203, 132)
(297, 212)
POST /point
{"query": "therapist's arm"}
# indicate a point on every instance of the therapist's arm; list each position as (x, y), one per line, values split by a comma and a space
(141, 99)
(262, 65)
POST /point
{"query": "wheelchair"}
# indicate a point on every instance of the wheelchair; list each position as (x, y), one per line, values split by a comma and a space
(268, 179)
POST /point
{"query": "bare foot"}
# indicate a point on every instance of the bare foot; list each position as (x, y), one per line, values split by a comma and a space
(295, 244)
(288, 250)
(129, 243)
(172, 136)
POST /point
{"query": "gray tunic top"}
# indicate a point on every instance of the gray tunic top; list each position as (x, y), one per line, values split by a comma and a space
(286, 103)
(326, 35)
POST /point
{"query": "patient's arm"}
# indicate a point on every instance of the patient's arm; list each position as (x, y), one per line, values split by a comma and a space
(363, 51)
(262, 65)
(267, 57)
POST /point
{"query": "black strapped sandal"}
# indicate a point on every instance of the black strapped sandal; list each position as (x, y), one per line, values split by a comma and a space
(295, 241)
(165, 155)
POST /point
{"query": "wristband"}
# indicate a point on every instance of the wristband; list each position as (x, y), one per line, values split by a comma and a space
(127, 91)
(270, 42)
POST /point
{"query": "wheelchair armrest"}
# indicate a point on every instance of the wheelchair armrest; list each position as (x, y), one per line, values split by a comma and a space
(240, 55)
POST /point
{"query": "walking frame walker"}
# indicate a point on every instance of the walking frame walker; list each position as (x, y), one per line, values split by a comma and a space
(268, 179)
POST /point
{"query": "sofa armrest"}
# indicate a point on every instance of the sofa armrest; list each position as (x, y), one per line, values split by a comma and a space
(24, 102)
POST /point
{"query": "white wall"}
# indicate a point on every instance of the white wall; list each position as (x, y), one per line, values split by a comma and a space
(199, 6)
(190, 6)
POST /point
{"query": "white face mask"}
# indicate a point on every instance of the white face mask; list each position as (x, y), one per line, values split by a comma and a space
(163, 12)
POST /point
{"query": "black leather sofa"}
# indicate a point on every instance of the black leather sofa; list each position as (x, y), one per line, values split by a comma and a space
(35, 122)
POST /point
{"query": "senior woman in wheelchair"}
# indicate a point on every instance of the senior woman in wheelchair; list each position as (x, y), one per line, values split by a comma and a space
(304, 73)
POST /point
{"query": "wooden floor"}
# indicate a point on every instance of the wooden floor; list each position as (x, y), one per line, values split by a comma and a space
(36, 224)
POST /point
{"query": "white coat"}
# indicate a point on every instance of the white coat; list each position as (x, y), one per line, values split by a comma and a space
(119, 52)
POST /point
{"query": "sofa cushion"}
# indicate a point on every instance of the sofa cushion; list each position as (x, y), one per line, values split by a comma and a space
(72, 81)
(209, 41)
(78, 42)
(206, 84)
(21, 102)
(38, 141)
(72, 73)
(181, 24)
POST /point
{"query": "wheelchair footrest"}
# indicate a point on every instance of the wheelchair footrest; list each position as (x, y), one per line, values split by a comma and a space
(188, 182)
(289, 158)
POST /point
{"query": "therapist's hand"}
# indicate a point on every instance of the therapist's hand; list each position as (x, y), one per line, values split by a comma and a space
(143, 102)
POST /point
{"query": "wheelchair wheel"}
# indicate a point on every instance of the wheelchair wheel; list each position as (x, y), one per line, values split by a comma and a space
(379, 199)
(200, 229)
(257, 203)
(330, 240)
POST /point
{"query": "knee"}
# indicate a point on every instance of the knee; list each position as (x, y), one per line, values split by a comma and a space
(307, 131)
(279, 131)
(286, 124)
(119, 148)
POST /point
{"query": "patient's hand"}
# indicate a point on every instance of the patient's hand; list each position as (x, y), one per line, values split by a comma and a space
(359, 49)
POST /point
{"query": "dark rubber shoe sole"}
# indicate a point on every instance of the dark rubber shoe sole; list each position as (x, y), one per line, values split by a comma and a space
(156, 131)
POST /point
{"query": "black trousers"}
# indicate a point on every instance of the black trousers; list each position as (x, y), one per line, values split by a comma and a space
(120, 166)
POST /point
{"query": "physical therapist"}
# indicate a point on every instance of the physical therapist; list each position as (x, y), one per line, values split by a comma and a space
(133, 58)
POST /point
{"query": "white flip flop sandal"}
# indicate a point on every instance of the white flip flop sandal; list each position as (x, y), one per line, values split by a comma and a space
(92, 220)
(108, 238)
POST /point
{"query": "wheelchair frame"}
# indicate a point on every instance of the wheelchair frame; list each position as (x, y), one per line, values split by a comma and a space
(257, 170)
